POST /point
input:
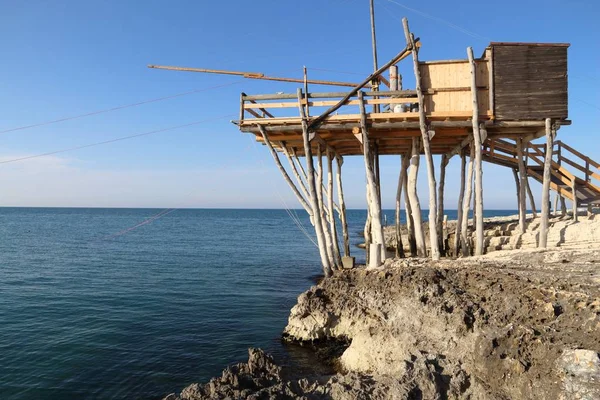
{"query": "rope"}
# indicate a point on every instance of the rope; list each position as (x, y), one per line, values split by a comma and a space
(114, 140)
(107, 110)
(294, 218)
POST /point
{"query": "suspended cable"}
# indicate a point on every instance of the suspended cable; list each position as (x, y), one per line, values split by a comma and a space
(437, 19)
(114, 140)
(107, 110)
(144, 222)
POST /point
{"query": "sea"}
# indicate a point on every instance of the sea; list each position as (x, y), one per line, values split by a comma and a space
(138, 303)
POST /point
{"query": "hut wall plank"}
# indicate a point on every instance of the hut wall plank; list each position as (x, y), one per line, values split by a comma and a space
(530, 82)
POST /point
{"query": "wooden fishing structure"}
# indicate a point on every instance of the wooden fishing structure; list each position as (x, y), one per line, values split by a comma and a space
(489, 108)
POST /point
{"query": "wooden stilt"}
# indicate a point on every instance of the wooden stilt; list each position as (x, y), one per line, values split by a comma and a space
(374, 203)
(340, 190)
(478, 167)
(459, 209)
(415, 206)
(433, 236)
(287, 178)
(310, 174)
(521, 187)
(322, 214)
(332, 227)
(546, 185)
(574, 191)
(299, 178)
(518, 186)
(401, 178)
(530, 194)
(410, 224)
(563, 207)
(440, 205)
(367, 229)
(464, 240)
(555, 209)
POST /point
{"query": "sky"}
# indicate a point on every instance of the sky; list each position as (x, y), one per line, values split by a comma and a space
(67, 58)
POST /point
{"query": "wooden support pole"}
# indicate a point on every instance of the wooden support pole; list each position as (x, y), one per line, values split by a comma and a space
(375, 83)
(287, 178)
(555, 209)
(546, 184)
(433, 236)
(522, 184)
(518, 186)
(478, 167)
(322, 214)
(459, 208)
(340, 190)
(464, 240)
(374, 203)
(440, 204)
(410, 225)
(415, 206)
(310, 174)
(574, 191)
(563, 207)
(531, 198)
(401, 179)
(332, 226)
(299, 178)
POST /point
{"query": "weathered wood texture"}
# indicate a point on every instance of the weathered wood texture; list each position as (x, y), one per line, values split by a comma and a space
(530, 82)
(437, 79)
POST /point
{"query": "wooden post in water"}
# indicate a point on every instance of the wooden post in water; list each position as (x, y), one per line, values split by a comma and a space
(435, 251)
(521, 187)
(339, 162)
(478, 167)
(459, 209)
(310, 174)
(546, 184)
(415, 206)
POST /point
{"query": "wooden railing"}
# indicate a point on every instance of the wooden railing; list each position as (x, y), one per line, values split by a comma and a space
(266, 105)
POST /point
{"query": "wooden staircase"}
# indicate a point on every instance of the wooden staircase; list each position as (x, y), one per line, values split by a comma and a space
(581, 180)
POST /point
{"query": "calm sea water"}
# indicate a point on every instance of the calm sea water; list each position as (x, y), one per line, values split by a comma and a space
(85, 314)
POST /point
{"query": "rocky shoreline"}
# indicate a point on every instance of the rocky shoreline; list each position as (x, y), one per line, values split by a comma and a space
(513, 324)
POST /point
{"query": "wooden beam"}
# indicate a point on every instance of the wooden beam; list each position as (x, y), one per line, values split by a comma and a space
(543, 242)
(374, 203)
(287, 178)
(415, 205)
(340, 190)
(521, 187)
(404, 53)
(327, 268)
(440, 204)
(433, 235)
(250, 75)
(459, 208)
(464, 240)
(401, 179)
(322, 206)
(478, 166)
(332, 227)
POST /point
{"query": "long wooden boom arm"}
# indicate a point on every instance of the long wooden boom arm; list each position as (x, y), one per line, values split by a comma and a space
(253, 75)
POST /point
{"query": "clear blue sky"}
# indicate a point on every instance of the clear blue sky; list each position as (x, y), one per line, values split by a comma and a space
(63, 58)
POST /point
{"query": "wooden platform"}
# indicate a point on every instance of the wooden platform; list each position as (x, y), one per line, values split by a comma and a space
(391, 131)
